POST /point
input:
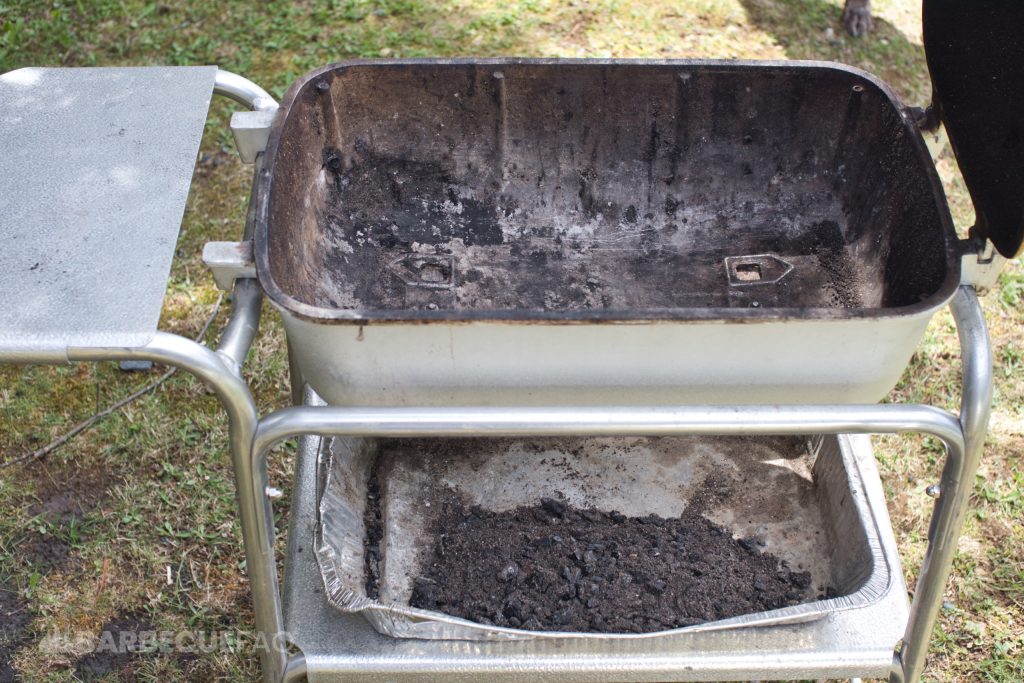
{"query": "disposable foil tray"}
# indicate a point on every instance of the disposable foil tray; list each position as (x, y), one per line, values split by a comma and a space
(803, 498)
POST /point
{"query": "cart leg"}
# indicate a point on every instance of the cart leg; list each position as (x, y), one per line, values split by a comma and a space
(254, 507)
(955, 487)
(295, 671)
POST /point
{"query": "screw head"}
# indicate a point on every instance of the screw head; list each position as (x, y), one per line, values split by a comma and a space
(933, 490)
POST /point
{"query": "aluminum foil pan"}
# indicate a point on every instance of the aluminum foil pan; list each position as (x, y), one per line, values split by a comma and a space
(803, 498)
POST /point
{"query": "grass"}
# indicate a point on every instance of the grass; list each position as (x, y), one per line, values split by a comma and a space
(136, 517)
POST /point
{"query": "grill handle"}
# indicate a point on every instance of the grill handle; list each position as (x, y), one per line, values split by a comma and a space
(243, 91)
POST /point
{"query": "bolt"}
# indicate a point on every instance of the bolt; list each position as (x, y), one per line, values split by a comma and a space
(755, 304)
(274, 493)
(933, 490)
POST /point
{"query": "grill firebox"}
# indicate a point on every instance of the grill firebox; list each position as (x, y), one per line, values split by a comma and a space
(710, 232)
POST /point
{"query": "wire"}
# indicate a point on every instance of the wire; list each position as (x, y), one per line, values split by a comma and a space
(87, 423)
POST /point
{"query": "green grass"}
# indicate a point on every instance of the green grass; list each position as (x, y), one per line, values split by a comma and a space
(151, 486)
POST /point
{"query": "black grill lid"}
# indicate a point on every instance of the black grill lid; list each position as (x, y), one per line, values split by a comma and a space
(975, 51)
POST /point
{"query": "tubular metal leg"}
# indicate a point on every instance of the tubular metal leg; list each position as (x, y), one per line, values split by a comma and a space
(955, 487)
(254, 507)
(295, 671)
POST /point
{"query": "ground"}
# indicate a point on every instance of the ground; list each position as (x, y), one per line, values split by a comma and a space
(131, 526)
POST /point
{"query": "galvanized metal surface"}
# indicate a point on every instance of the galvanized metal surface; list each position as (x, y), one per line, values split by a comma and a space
(338, 646)
(772, 498)
(94, 175)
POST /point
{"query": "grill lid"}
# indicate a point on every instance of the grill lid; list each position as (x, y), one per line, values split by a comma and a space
(975, 53)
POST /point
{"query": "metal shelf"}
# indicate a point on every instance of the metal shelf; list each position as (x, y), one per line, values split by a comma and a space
(95, 173)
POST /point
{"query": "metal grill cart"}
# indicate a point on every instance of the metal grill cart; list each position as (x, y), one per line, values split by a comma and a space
(98, 163)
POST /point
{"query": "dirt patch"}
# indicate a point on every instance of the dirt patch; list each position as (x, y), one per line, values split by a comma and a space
(62, 503)
(46, 552)
(59, 502)
(14, 620)
(77, 492)
(117, 648)
(551, 567)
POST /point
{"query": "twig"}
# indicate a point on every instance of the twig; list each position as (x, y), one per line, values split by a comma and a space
(86, 424)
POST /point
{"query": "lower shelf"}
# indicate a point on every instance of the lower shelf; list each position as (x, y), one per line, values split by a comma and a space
(339, 646)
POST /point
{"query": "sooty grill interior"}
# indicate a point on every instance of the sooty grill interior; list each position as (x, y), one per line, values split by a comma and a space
(589, 188)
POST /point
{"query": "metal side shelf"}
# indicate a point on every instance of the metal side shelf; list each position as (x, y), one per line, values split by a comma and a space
(344, 647)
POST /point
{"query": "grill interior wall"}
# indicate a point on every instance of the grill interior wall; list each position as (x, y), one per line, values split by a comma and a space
(614, 187)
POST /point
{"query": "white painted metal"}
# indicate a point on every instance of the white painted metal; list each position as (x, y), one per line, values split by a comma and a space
(229, 261)
(665, 363)
(981, 269)
(251, 130)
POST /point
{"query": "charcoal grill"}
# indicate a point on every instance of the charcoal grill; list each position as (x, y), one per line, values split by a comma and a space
(695, 232)
(816, 245)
